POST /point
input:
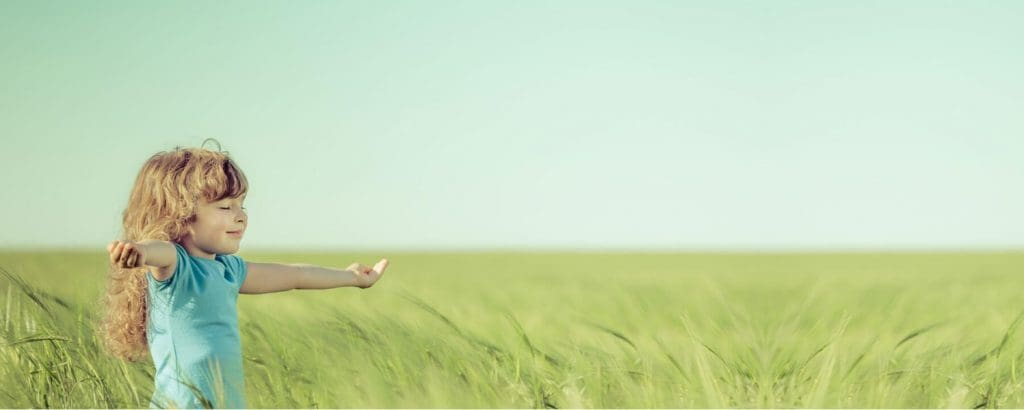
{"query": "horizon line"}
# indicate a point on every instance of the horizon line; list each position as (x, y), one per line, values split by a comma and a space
(574, 249)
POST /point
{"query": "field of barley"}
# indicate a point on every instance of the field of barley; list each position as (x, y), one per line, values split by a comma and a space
(566, 330)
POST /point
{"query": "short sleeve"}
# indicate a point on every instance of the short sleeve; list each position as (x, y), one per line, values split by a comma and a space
(236, 265)
(182, 272)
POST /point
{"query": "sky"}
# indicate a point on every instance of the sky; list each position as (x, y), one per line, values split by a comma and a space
(593, 125)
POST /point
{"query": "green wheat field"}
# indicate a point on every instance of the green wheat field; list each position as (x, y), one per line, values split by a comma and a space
(566, 330)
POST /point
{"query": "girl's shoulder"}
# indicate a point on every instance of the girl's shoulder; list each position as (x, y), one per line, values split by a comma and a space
(235, 266)
(179, 272)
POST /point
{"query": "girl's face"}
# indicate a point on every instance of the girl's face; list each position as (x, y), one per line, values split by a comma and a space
(218, 228)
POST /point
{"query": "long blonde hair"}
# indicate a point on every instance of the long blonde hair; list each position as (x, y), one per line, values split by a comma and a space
(162, 205)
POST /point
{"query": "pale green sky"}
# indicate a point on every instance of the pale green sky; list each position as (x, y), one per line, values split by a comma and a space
(554, 124)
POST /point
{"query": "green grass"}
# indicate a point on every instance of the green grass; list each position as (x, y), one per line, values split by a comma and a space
(567, 330)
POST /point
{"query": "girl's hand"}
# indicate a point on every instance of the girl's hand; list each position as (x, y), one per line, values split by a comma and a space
(126, 254)
(365, 276)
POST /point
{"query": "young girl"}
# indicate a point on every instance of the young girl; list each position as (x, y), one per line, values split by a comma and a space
(174, 279)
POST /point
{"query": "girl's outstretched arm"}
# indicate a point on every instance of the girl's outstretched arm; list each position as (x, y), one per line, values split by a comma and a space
(278, 277)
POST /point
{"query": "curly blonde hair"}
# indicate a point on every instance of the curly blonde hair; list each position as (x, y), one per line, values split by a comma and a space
(162, 205)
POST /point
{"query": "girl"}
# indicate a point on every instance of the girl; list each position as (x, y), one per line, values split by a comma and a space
(174, 280)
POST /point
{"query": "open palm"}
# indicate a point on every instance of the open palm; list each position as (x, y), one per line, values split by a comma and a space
(366, 276)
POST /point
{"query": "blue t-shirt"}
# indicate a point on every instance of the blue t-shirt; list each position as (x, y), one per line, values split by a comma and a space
(193, 333)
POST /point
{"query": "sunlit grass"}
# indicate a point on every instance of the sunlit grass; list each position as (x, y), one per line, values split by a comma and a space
(567, 330)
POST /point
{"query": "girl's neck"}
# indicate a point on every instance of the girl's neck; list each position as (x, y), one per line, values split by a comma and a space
(194, 250)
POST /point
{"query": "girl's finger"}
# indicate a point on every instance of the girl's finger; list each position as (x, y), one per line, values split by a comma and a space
(116, 254)
(380, 266)
(124, 255)
(133, 257)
